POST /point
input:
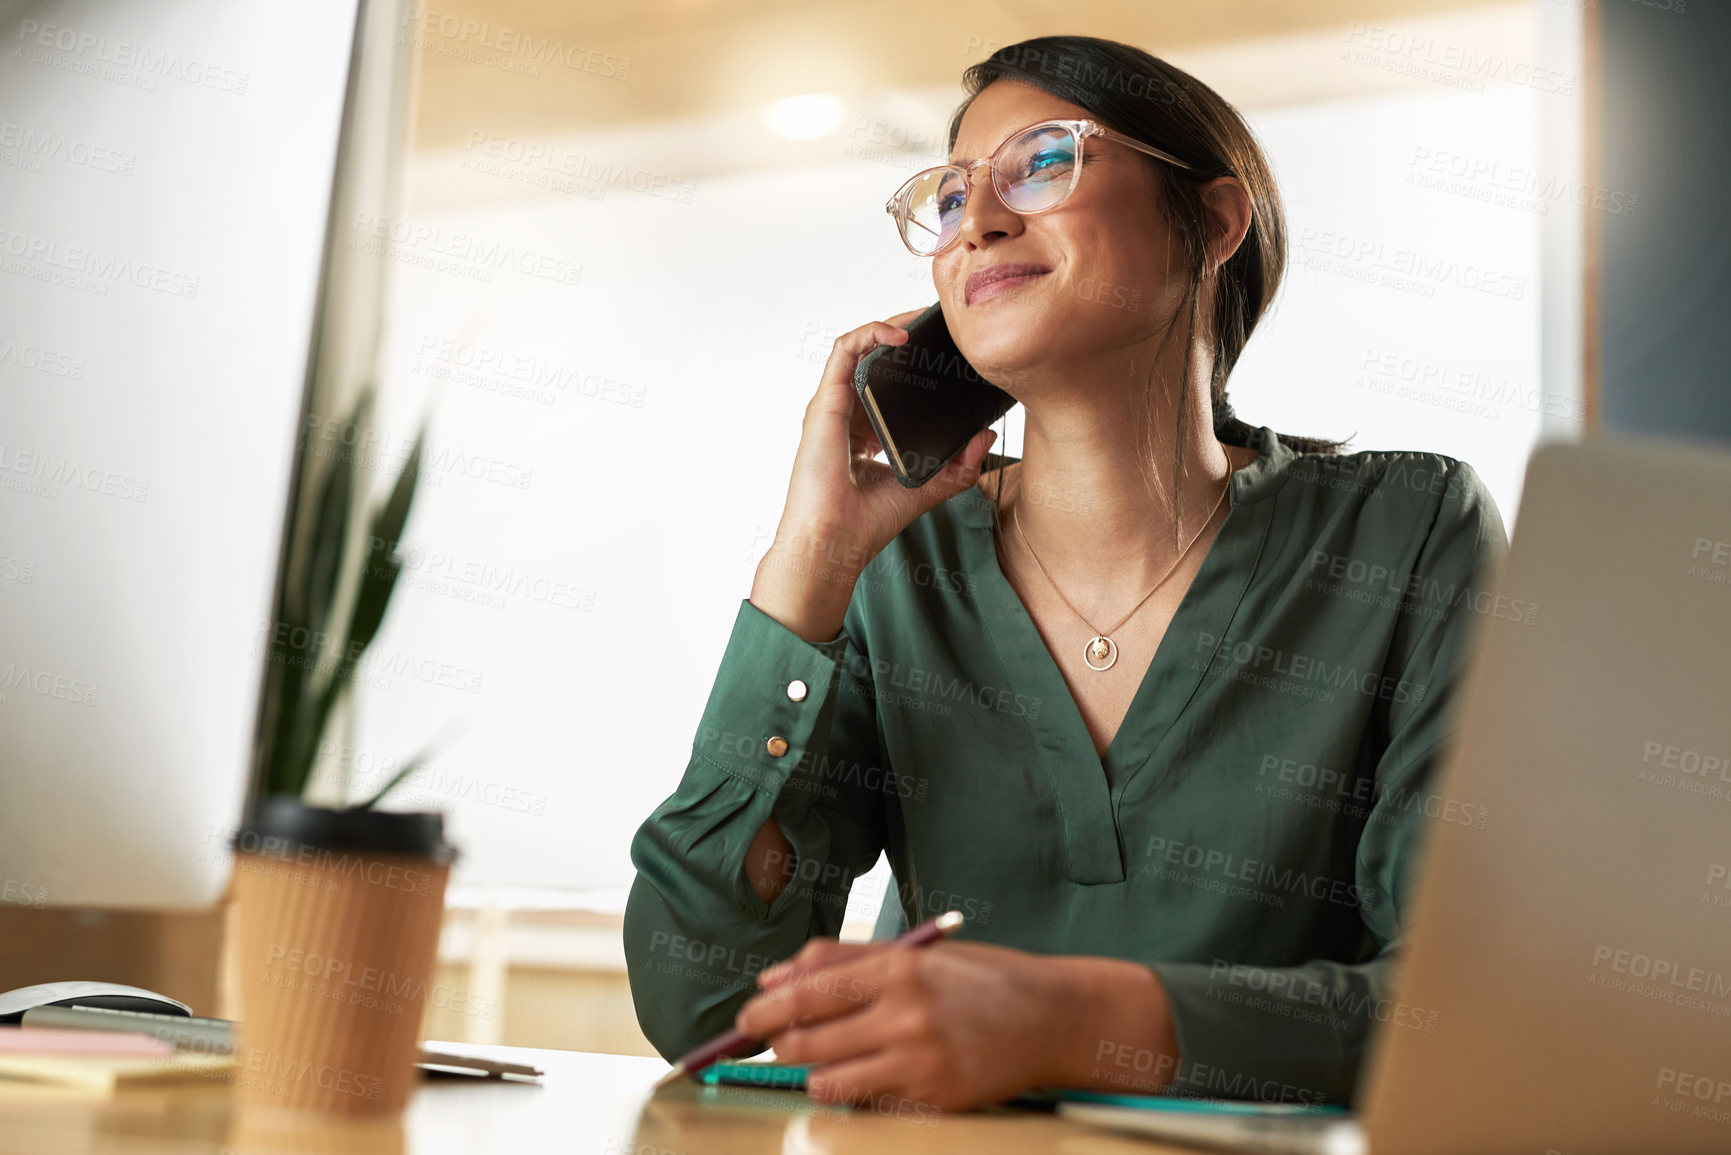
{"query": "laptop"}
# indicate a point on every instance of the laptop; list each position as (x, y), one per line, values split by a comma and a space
(1578, 947)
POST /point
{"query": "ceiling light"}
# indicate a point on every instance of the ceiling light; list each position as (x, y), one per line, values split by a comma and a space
(804, 117)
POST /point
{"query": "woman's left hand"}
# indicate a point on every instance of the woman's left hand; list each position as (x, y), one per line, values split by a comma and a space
(953, 1025)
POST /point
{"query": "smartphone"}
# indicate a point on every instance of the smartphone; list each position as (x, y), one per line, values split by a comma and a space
(924, 400)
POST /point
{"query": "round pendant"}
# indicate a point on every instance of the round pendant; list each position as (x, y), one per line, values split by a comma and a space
(1099, 652)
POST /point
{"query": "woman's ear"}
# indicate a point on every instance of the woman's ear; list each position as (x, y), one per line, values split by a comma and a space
(1228, 209)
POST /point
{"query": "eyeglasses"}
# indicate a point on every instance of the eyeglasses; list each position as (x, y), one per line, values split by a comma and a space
(1033, 172)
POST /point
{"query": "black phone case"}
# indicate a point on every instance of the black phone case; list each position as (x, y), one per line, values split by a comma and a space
(971, 402)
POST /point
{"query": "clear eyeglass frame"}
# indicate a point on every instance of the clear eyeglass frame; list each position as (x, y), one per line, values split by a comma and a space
(899, 206)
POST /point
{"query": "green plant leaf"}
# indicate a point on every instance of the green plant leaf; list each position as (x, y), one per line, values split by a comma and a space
(409, 767)
(379, 578)
(421, 758)
(308, 605)
(329, 539)
(318, 717)
(308, 686)
(389, 521)
(371, 602)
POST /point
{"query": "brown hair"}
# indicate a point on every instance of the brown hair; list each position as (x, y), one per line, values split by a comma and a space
(1144, 97)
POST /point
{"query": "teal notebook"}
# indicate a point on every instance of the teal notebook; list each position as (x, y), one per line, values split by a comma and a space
(724, 1074)
(791, 1077)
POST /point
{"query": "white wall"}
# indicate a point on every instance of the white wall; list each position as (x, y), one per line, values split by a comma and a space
(1409, 318)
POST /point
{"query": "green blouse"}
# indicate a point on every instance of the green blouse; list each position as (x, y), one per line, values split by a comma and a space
(1249, 834)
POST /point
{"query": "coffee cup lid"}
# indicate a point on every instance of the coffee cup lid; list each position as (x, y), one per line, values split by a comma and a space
(283, 820)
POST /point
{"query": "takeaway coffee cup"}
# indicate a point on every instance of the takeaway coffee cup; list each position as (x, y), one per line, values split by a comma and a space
(337, 932)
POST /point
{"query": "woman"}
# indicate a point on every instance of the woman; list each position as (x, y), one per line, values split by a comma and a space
(1157, 705)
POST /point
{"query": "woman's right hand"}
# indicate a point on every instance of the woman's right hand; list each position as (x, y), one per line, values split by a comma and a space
(843, 507)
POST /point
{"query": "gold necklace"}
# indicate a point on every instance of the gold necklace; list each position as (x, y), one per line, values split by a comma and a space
(1101, 647)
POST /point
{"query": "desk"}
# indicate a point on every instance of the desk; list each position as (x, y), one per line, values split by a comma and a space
(587, 1105)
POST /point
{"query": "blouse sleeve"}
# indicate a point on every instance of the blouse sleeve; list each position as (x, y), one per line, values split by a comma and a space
(1300, 1033)
(696, 930)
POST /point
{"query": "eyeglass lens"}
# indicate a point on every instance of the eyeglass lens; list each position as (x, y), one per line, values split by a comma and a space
(1033, 171)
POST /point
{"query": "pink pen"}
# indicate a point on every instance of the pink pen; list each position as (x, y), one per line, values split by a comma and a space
(730, 1042)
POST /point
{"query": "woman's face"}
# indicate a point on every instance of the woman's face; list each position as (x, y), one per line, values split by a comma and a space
(1098, 273)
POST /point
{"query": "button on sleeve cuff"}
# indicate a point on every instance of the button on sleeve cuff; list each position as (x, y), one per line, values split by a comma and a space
(751, 711)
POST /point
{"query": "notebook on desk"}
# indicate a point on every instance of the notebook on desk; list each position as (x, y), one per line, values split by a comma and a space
(98, 1062)
(102, 1051)
(792, 1077)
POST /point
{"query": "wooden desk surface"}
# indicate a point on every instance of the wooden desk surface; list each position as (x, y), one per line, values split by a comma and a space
(586, 1104)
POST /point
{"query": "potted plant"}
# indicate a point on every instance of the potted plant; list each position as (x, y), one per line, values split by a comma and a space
(329, 607)
(338, 908)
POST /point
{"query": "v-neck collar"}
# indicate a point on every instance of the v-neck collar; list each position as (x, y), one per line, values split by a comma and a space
(1089, 786)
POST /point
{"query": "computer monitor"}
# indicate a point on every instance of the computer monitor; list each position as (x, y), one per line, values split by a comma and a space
(178, 278)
